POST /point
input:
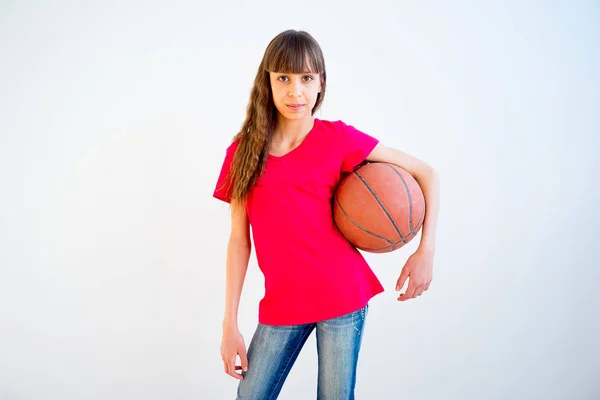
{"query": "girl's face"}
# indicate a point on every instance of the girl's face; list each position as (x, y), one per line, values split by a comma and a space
(295, 95)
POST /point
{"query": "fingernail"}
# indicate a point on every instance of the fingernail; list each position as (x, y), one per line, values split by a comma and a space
(397, 288)
(245, 369)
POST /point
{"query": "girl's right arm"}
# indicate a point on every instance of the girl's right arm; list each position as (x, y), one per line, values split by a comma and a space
(238, 255)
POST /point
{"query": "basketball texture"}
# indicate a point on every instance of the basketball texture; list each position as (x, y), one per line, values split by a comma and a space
(379, 207)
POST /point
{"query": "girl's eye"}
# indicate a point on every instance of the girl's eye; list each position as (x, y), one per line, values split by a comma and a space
(307, 78)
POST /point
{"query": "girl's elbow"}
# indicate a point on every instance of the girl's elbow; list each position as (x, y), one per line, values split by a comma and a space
(427, 174)
(432, 172)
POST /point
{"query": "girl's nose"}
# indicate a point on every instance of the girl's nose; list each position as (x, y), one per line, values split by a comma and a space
(295, 89)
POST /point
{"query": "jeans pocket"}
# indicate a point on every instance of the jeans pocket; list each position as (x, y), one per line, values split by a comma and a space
(358, 318)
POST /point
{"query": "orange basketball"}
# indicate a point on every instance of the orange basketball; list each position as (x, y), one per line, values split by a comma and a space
(379, 207)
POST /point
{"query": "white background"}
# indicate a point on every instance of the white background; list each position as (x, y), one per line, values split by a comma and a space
(114, 119)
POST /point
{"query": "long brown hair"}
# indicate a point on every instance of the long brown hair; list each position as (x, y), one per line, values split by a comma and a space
(290, 52)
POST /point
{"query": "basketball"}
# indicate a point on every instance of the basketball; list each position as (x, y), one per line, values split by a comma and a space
(379, 207)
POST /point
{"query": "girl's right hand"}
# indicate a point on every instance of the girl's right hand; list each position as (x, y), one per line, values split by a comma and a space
(232, 344)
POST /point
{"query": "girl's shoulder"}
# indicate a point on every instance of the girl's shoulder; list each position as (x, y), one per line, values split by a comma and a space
(333, 128)
(338, 126)
(331, 124)
(338, 130)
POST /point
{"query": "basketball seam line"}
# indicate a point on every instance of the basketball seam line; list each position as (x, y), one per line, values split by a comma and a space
(381, 205)
(417, 226)
(381, 248)
(358, 225)
(407, 194)
(420, 221)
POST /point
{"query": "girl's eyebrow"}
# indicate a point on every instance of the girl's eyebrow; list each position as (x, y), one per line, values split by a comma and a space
(292, 73)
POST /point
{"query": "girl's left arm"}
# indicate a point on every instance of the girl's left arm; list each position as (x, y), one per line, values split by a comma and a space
(419, 266)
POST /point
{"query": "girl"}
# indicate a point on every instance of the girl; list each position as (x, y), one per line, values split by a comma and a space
(280, 174)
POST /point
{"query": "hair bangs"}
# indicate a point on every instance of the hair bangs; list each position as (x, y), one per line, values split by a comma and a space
(295, 54)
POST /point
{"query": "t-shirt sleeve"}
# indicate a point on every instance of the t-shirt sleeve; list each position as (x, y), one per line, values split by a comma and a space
(223, 187)
(356, 146)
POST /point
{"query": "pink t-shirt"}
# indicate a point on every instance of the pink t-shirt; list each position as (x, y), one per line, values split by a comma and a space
(312, 273)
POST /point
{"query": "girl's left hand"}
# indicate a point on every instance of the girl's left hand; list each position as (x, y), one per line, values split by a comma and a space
(419, 268)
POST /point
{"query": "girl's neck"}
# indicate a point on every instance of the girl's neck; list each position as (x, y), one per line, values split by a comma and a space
(290, 131)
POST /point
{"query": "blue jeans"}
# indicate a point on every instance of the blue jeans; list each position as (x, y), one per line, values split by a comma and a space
(274, 349)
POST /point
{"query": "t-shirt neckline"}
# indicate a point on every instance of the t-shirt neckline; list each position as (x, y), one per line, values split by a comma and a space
(295, 149)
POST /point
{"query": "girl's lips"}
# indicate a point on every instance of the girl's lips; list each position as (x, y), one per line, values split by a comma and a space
(295, 106)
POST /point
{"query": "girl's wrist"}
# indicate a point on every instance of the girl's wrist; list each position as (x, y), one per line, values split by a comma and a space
(230, 325)
(426, 250)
